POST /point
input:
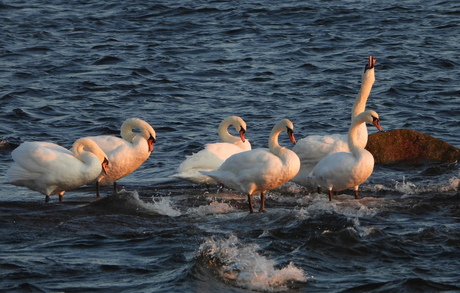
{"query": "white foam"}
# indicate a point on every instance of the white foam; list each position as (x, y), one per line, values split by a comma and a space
(344, 205)
(213, 207)
(163, 206)
(239, 263)
(409, 188)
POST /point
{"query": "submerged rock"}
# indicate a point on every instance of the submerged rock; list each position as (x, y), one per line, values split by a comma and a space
(409, 146)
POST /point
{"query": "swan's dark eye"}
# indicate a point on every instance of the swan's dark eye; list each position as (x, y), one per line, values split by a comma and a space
(242, 130)
(375, 119)
(289, 130)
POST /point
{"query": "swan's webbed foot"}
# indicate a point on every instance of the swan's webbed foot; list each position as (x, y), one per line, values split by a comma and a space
(251, 208)
(47, 198)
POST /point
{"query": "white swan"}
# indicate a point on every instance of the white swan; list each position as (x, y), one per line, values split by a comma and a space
(214, 154)
(125, 154)
(342, 170)
(313, 148)
(51, 169)
(260, 169)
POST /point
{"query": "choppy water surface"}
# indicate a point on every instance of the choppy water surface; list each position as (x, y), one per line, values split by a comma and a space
(71, 69)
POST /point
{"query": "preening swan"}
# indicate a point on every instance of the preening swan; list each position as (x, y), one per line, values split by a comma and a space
(214, 154)
(313, 148)
(51, 169)
(260, 169)
(125, 154)
(342, 170)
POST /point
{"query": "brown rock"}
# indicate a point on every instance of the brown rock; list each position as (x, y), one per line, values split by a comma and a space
(411, 147)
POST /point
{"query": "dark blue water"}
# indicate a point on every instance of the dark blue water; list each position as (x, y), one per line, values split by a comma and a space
(76, 68)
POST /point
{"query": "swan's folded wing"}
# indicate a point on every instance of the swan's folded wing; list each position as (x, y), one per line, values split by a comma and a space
(39, 157)
(108, 143)
(313, 148)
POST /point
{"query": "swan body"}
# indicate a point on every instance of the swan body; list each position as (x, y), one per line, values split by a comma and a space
(262, 169)
(51, 169)
(127, 153)
(214, 154)
(342, 170)
(313, 148)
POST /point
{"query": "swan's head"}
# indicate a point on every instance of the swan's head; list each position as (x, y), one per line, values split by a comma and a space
(369, 116)
(145, 129)
(370, 64)
(237, 122)
(287, 126)
(85, 144)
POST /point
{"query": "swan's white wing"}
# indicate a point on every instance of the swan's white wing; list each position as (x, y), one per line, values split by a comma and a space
(210, 158)
(109, 143)
(313, 148)
(39, 157)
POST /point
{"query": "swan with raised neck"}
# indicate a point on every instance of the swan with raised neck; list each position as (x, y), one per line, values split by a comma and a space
(342, 170)
(313, 148)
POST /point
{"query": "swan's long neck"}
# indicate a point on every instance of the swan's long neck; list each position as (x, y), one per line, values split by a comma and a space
(353, 144)
(367, 81)
(273, 144)
(224, 135)
(78, 150)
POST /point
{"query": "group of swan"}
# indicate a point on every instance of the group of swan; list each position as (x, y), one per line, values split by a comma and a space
(335, 162)
(51, 169)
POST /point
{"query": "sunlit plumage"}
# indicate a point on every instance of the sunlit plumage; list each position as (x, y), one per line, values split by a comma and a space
(127, 153)
(51, 169)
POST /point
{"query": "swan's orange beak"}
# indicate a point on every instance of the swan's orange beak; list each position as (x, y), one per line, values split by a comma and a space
(104, 165)
(371, 63)
(376, 122)
(151, 142)
(291, 135)
(242, 133)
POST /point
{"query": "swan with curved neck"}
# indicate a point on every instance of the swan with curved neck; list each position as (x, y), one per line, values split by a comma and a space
(125, 154)
(342, 170)
(259, 170)
(214, 154)
(313, 148)
(51, 169)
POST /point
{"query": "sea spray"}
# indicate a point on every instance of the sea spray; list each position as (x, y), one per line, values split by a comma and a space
(213, 207)
(163, 206)
(239, 264)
